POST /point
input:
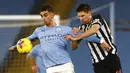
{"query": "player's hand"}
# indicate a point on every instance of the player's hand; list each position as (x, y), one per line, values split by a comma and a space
(75, 30)
(105, 46)
(11, 48)
(69, 37)
(35, 68)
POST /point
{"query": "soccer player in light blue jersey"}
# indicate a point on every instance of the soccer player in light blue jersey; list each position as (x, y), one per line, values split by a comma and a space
(37, 53)
(54, 47)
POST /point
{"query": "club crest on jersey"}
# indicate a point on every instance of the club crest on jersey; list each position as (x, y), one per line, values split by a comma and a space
(58, 29)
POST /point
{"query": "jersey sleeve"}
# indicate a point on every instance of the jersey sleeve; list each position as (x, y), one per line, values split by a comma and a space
(33, 36)
(92, 39)
(97, 19)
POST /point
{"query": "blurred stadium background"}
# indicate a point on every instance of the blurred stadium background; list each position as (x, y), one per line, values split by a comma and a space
(116, 12)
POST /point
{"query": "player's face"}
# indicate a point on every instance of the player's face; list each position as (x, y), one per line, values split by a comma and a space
(85, 17)
(47, 17)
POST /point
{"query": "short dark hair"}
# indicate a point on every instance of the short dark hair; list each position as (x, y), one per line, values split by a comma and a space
(83, 7)
(46, 8)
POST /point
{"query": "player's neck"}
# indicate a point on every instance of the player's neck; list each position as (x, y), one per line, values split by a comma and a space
(52, 24)
(90, 22)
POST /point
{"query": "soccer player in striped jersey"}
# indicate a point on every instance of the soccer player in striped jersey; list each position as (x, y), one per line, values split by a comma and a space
(105, 60)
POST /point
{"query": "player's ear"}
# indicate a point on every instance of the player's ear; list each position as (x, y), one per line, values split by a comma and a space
(53, 14)
(89, 12)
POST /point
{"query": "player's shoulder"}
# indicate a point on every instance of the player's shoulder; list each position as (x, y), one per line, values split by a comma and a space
(65, 27)
(97, 16)
(98, 19)
(42, 28)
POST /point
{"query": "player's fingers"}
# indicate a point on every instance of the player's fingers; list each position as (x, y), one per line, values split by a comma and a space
(75, 33)
(66, 37)
(105, 46)
(109, 48)
(11, 49)
(76, 29)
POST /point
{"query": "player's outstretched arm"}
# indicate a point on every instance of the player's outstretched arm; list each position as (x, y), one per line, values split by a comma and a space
(75, 44)
(20, 43)
(93, 30)
(32, 38)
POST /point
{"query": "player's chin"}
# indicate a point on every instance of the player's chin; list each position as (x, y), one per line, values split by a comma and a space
(83, 22)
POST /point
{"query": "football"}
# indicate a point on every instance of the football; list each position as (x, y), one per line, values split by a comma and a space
(24, 45)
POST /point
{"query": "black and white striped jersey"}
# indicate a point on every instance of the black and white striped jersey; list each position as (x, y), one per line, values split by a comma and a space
(97, 52)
